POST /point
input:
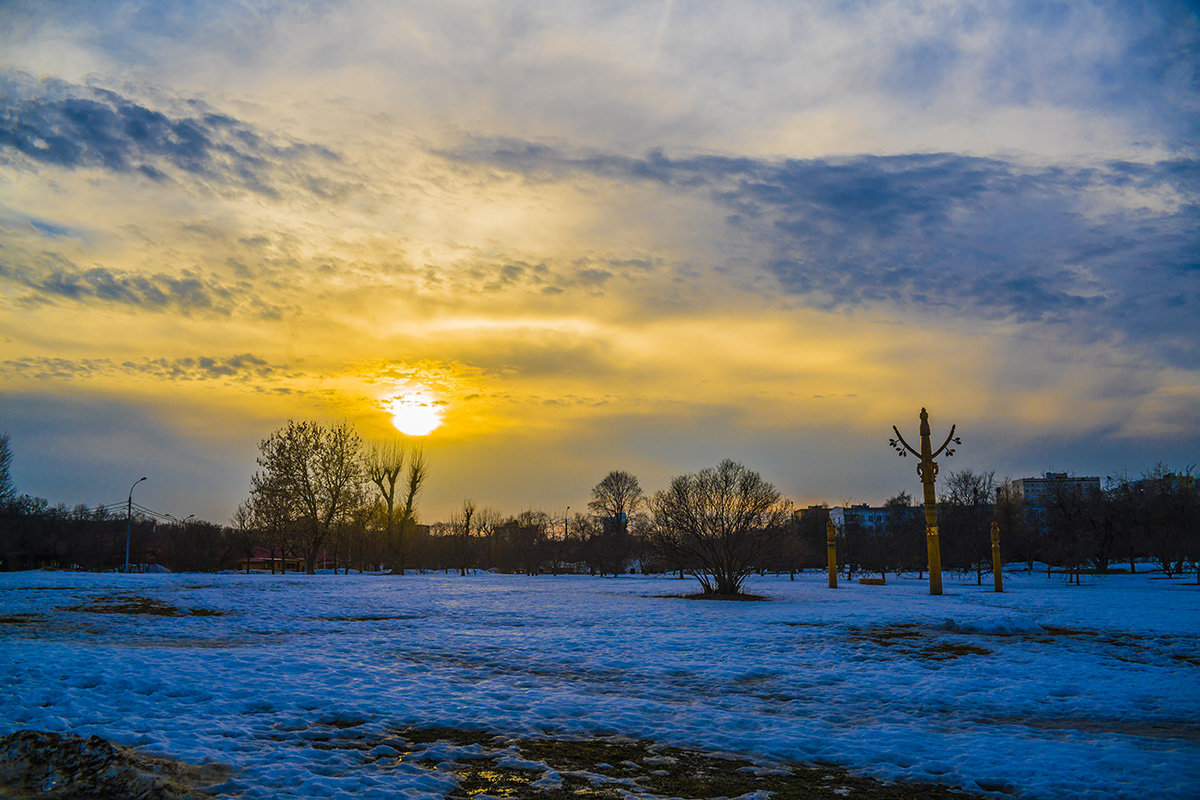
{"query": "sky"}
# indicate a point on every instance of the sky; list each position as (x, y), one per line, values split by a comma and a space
(591, 236)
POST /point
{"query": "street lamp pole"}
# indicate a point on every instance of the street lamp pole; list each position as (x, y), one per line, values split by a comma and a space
(129, 519)
(927, 468)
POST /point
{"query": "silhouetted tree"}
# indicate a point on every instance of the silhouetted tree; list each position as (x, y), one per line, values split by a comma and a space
(1016, 537)
(1171, 515)
(520, 542)
(8, 491)
(964, 517)
(317, 471)
(244, 536)
(418, 471)
(384, 464)
(1103, 526)
(1066, 528)
(463, 550)
(810, 529)
(709, 522)
(905, 526)
(616, 500)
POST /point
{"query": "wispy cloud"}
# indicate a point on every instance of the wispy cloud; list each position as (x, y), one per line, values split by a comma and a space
(56, 123)
(188, 293)
(240, 367)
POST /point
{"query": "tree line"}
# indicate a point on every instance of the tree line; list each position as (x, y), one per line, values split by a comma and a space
(1073, 528)
(322, 497)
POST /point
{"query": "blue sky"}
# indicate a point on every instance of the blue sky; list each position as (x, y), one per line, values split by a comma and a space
(597, 236)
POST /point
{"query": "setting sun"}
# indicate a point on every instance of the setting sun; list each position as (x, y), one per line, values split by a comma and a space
(415, 413)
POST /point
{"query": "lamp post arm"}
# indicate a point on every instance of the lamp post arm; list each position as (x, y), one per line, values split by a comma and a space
(909, 447)
(949, 439)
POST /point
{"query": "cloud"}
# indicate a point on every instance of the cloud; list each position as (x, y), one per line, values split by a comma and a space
(1108, 244)
(64, 125)
(54, 280)
(240, 367)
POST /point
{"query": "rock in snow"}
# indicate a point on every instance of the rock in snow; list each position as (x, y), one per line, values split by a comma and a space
(49, 765)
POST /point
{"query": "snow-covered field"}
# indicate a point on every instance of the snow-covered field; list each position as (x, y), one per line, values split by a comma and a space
(1048, 690)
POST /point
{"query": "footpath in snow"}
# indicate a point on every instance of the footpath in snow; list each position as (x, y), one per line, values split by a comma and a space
(1047, 690)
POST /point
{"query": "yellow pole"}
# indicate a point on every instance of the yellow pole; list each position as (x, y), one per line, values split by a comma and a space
(928, 470)
(831, 543)
(997, 567)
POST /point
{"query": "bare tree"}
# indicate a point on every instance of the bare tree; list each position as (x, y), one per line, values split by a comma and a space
(462, 546)
(244, 536)
(1009, 515)
(418, 471)
(318, 469)
(384, 464)
(8, 491)
(487, 520)
(618, 495)
(1172, 518)
(274, 515)
(711, 523)
(616, 500)
(965, 514)
(1066, 525)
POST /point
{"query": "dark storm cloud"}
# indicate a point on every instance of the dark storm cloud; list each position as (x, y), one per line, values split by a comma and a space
(70, 126)
(981, 235)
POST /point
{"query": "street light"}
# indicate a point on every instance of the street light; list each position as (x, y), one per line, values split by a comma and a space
(927, 468)
(129, 519)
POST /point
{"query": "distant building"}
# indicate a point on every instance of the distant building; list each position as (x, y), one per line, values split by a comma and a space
(861, 514)
(1034, 492)
(870, 518)
(1170, 481)
(801, 514)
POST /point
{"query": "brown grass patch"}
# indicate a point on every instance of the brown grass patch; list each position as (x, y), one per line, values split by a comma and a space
(133, 604)
(612, 767)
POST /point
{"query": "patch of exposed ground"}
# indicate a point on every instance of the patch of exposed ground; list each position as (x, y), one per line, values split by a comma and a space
(1183, 730)
(134, 604)
(618, 768)
(911, 639)
(734, 598)
(18, 619)
(369, 618)
(67, 767)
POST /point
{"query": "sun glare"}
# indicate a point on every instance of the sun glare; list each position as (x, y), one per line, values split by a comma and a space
(414, 413)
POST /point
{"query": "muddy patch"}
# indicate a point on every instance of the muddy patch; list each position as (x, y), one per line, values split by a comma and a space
(725, 598)
(369, 618)
(913, 640)
(485, 764)
(134, 604)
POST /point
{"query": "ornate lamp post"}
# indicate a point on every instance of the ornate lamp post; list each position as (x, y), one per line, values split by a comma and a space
(927, 468)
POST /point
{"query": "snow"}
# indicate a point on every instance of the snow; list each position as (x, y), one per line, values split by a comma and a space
(1047, 690)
